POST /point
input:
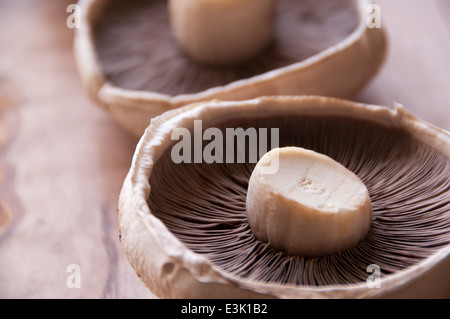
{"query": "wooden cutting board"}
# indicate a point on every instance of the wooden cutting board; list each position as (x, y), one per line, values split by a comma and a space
(61, 167)
(63, 160)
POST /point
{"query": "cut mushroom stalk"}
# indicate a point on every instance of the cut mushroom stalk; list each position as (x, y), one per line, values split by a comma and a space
(310, 206)
(221, 32)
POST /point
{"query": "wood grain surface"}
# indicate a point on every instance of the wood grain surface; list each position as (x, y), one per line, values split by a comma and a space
(63, 159)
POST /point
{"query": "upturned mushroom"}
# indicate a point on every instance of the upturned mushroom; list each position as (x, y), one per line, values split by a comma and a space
(188, 231)
(139, 59)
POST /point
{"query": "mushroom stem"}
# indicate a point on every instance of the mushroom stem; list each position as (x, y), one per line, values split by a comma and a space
(308, 205)
(222, 32)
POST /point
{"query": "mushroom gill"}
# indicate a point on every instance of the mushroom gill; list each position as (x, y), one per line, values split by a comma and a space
(137, 50)
(203, 205)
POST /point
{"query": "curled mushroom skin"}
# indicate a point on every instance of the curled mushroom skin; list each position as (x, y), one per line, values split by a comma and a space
(172, 264)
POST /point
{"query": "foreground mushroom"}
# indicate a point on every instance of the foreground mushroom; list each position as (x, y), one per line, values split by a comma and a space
(135, 60)
(185, 230)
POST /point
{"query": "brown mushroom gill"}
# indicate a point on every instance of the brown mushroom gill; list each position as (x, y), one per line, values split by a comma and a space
(204, 204)
(137, 50)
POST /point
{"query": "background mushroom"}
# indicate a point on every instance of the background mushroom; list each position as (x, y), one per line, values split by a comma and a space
(131, 63)
(196, 242)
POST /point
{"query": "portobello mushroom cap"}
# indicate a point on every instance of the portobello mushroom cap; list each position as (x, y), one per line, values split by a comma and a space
(184, 230)
(131, 64)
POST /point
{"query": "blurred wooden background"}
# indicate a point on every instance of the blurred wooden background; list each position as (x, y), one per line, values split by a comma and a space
(63, 160)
